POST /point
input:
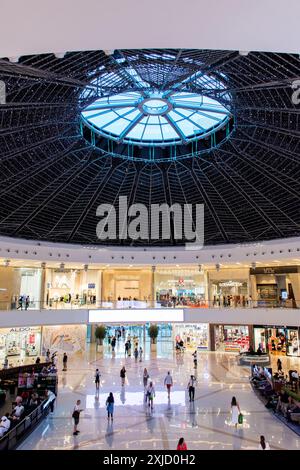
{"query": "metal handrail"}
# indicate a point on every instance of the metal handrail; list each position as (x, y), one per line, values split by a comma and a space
(14, 436)
(113, 303)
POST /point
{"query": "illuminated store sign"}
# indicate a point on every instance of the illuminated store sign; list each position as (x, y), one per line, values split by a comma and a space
(136, 315)
(230, 284)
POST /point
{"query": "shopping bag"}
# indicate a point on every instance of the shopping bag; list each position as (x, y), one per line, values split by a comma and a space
(240, 418)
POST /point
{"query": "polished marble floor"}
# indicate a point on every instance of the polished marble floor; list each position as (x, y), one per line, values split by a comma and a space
(205, 423)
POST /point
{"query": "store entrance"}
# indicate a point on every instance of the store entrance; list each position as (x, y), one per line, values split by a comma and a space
(232, 338)
(140, 331)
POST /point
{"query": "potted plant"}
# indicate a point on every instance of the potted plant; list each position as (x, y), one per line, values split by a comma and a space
(100, 333)
(153, 333)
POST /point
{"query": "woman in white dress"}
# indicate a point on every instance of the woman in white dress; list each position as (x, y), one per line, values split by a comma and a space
(235, 411)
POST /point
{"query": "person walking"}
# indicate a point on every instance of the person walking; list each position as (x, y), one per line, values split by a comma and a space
(191, 387)
(129, 348)
(136, 354)
(195, 359)
(279, 365)
(150, 394)
(113, 343)
(110, 406)
(145, 378)
(48, 355)
(97, 379)
(263, 445)
(65, 361)
(123, 375)
(126, 348)
(76, 415)
(51, 397)
(235, 411)
(168, 382)
(182, 444)
(141, 353)
(27, 302)
(20, 303)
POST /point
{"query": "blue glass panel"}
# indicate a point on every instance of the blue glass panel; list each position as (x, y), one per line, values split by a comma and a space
(117, 127)
(136, 132)
(103, 119)
(125, 112)
(153, 120)
(169, 133)
(152, 133)
(187, 128)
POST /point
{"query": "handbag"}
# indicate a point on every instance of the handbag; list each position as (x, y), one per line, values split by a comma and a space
(75, 414)
(240, 418)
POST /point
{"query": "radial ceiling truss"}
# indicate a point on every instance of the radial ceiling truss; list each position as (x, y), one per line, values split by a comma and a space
(52, 179)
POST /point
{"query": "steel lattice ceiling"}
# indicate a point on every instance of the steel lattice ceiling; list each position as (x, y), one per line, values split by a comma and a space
(52, 179)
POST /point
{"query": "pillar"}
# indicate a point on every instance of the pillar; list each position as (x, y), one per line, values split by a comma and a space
(212, 337)
(251, 335)
(206, 283)
(99, 288)
(42, 300)
(153, 293)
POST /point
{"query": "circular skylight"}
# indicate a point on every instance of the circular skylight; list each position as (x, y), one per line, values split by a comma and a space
(155, 118)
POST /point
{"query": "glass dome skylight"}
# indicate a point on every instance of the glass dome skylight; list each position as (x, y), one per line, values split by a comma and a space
(155, 118)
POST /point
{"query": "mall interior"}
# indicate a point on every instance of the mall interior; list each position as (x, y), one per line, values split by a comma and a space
(90, 120)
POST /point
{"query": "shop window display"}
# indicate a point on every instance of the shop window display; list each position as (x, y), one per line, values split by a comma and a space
(230, 338)
(180, 289)
(20, 342)
(194, 336)
(229, 293)
(267, 295)
(277, 341)
(67, 287)
(293, 348)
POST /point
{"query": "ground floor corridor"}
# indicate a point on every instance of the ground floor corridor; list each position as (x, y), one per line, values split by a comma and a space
(204, 423)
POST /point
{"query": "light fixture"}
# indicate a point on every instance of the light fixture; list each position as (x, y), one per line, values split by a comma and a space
(43, 265)
(217, 267)
(62, 266)
(109, 52)
(14, 59)
(59, 55)
(86, 267)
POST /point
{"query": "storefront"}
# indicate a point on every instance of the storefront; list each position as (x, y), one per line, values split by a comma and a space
(273, 286)
(277, 340)
(71, 286)
(231, 338)
(229, 293)
(193, 335)
(20, 342)
(180, 287)
(126, 285)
